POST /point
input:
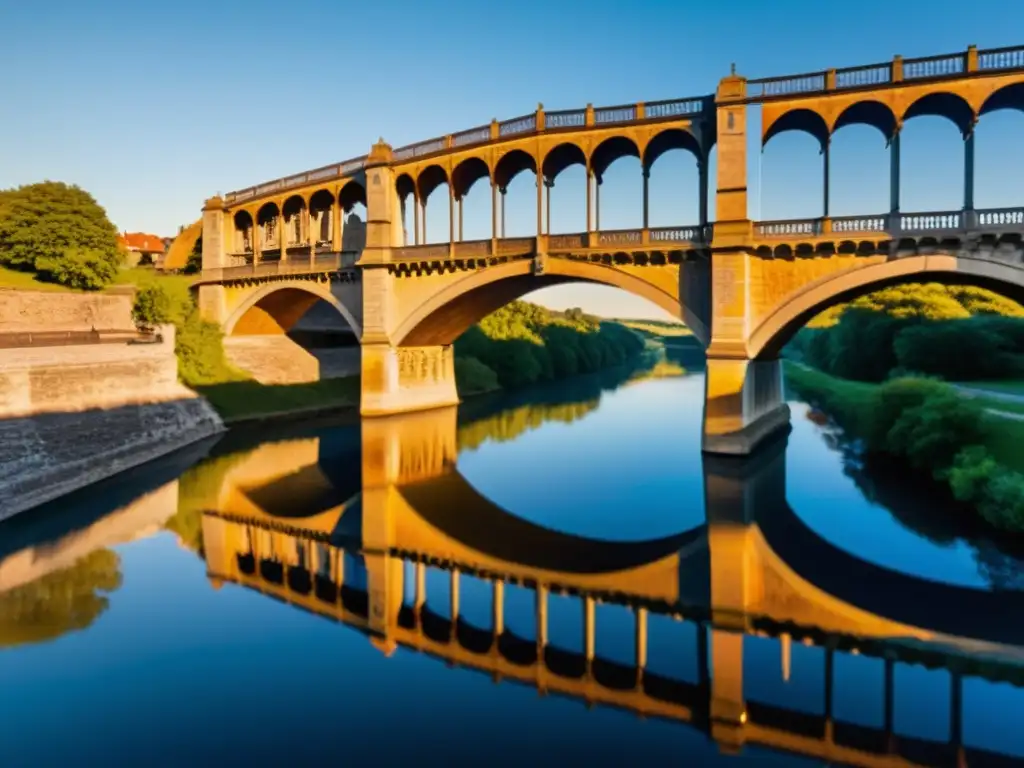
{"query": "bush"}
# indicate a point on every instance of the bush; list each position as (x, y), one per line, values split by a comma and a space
(153, 306)
(200, 348)
(473, 377)
(77, 268)
(997, 492)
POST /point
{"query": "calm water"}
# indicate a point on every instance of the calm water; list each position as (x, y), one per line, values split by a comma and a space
(335, 592)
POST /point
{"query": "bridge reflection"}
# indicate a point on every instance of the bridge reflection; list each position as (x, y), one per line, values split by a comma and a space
(357, 539)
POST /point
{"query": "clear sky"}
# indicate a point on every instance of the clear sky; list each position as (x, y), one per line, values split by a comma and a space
(154, 107)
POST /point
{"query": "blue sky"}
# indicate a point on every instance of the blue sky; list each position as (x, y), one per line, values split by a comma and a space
(154, 107)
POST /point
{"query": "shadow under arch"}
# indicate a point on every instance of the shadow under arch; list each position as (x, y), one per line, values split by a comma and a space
(454, 507)
(279, 306)
(778, 327)
(443, 317)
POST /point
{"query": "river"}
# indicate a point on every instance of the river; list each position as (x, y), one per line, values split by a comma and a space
(329, 592)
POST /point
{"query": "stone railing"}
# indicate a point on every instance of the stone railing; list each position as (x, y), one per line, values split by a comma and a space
(982, 221)
(573, 119)
(293, 265)
(899, 70)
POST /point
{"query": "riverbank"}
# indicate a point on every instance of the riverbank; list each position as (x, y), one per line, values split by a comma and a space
(932, 427)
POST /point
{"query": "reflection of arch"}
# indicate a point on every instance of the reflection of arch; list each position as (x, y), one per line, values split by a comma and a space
(673, 138)
(455, 508)
(947, 105)
(777, 328)
(873, 113)
(276, 307)
(445, 315)
(805, 120)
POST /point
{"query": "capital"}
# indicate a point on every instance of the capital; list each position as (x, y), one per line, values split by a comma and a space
(215, 203)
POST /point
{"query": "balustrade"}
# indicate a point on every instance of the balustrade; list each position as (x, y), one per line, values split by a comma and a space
(566, 242)
(620, 237)
(607, 115)
(843, 224)
(656, 110)
(945, 221)
(934, 66)
(472, 136)
(1000, 217)
(470, 249)
(807, 227)
(674, 234)
(1001, 58)
(860, 77)
(573, 118)
(518, 125)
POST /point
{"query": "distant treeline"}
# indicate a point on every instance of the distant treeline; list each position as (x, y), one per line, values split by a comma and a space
(523, 344)
(954, 332)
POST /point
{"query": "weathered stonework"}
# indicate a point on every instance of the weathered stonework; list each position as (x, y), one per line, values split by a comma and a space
(70, 416)
(22, 311)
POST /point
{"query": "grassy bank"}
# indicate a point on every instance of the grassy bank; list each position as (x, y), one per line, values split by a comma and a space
(246, 400)
(932, 428)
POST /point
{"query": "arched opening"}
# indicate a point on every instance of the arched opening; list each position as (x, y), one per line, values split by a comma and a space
(864, 148)
(473, 213)
(676, 194)
(794, 183)
(352, 199)
(518, 214)
(268, 231)
(999, 181)
(242, 243)
(294, 222)
(321, 218)
(565, 168)
(437, 228)
(814, 301)
(618, 194)
(937, 146)
(293, 333)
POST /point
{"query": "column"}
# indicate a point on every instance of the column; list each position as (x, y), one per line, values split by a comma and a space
(547, 211)
(590, 198)
(743, 402)
(589, 628)
(423, 222)
(541, 596)
(420, 598)
(894, 171)
(337, 224)
(416, 218)
(460, 219)
(702, 172)
(451, 220)
(969, 169)
(889, 700)
(647, 176)
(956, 706)
(257, 241)
(494, 218)
(829, 685)
(282, 235)
(641, 643)
(597, 203)
(540, 203)
(454, 594)
(310, 237)
(825, 152)
(503, 190)
(498, 607)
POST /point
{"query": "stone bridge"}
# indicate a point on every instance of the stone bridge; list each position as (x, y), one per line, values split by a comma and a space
(342, 543)
(743, 286)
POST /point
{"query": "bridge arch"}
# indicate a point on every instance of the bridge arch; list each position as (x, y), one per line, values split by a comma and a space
(671, 138)
(444, 316)
(942, 104)
(561, 157)
(872, 113)
(183, 245)
(275, 307)
(610, 150)
(1008, 97)
(779, 326)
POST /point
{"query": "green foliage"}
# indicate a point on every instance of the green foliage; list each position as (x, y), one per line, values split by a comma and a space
(199, 345)
(59, 602)
(77, 268)
(194, 263)
(153, 306)
(59, 231)
(473, 377)
(980, 347)
(244, 398)
(524, 344)
(928, 425)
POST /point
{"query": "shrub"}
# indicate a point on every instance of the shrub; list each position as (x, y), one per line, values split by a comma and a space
(153, 306)
(200, 348)
(83, 269)
(473, 377)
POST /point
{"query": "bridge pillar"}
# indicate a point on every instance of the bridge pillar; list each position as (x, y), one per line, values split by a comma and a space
(394, 379)
(727, 705)
(212, 299)
(743, 403)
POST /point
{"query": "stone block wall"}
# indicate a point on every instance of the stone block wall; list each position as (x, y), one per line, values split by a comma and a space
(46, 311)
(70, 416)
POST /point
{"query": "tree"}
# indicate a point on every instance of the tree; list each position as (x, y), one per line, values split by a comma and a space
(59, 231)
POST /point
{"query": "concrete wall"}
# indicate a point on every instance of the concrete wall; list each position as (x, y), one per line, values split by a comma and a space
(48, 311)
(70, 416)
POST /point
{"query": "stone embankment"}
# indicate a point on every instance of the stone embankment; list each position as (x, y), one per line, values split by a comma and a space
(73, 415)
